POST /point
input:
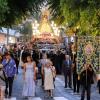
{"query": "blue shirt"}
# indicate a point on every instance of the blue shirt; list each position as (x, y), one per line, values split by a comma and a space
(9, 69)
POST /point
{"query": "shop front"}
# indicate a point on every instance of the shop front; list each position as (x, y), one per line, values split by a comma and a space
(2, 39)
(12, 40)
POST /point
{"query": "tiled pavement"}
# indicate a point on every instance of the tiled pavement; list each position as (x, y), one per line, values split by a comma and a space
(59, 93)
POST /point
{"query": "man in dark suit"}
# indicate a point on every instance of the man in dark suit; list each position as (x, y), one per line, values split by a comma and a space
(86, 80)
(76, 78)
(67, 66)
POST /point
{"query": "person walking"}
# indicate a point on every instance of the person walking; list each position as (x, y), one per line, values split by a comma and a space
(48, 78)
(29, 78)
(67, 66)
(76, 79)
(57, 62)
(10, 70)
(86, 78)
(42, 63)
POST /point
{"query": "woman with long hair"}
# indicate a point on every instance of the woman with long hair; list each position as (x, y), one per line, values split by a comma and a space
(29, 78)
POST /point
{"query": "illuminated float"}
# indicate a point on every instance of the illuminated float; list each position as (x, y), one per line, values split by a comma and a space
(45, 32)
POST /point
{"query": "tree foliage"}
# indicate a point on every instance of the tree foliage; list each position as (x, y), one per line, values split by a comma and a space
(3, 9)
(84, 14)
(26, 30)
(18, 10)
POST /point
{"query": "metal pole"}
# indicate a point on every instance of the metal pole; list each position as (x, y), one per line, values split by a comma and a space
(7, 35)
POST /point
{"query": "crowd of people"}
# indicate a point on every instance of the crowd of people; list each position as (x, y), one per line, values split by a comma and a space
(45, 66)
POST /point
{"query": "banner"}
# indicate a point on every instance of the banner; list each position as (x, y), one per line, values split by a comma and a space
(88, 51)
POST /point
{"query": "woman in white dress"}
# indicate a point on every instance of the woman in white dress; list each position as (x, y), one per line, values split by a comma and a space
(48, 78)
(29, 78)
(43, 62)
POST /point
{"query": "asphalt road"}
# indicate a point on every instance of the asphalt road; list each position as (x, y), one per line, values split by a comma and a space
(60, 93)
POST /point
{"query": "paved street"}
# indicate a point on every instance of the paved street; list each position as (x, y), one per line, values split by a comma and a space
(59, 93)
(64, 34)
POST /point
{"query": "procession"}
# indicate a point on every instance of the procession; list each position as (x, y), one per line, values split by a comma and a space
(43, 72)
(50, 50)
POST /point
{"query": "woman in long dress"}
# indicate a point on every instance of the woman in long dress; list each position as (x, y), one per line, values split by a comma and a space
(29, 78)
(43, 62)
(48, 78)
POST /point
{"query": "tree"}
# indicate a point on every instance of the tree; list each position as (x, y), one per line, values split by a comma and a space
(18, 10)
(26, 30)
(3, 9)
(82, 13)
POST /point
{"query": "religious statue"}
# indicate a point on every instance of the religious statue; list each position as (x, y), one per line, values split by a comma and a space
(45, 26)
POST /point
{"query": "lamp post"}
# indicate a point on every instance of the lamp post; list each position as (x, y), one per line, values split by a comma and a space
(7, 35)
